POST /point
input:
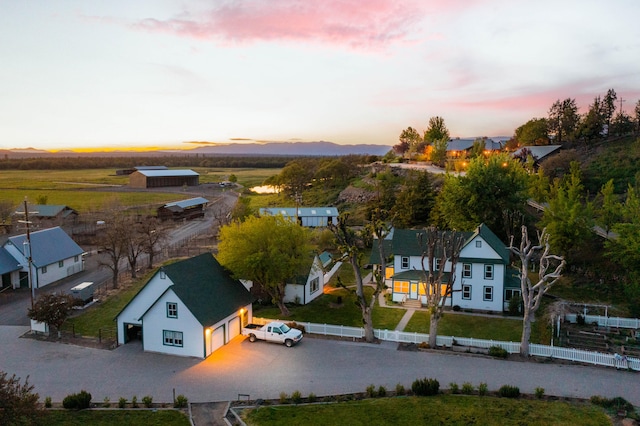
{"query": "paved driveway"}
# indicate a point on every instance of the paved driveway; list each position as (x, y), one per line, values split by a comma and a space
(263, 370)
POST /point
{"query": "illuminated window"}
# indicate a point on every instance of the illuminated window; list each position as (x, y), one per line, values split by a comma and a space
(401, 287)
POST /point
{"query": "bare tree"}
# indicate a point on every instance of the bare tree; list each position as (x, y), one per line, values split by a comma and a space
(152, 234)
(441, 250)
(134, 244)
(549, 273)
(112, 241)
(350, 243)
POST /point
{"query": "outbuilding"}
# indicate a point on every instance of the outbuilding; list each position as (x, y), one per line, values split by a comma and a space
(187, 308)
(160, 178)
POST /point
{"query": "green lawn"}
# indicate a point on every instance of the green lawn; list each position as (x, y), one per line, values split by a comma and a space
(114, 417)
(101, 315)
(438, 410)
(328, 309)
(462, 325)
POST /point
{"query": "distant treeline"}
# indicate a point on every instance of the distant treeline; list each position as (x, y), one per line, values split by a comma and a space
(119, 162)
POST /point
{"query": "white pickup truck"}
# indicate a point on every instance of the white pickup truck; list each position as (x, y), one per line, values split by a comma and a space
(273, 332)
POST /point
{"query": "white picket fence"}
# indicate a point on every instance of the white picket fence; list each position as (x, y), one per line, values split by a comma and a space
(603, 321)
(569, 354)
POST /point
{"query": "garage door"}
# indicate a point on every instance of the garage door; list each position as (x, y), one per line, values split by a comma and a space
(234, 327)
(217, 338)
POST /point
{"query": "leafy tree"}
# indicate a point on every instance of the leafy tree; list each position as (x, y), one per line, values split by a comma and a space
(53, 309)
(539, 186)
(533, 132)
(625, 249)
(478, 147)
(42, 199)
(490, 187)
(637, 117)
(592, 125)
(18, 402)
(568, 218)
(621, 125)
(242, 209)
(438, 152)
(350, 243)
(436, 130)
(233, 178)
(549, 272)
(563, 120)
(267, 250)
(444, 247)
(415, 201)
(409, 142)
(609, 107)
(295, 177)
(609, 210)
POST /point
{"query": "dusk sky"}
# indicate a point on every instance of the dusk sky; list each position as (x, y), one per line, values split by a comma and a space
(124, 74)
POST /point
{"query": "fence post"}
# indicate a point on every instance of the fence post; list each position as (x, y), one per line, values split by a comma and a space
(99, 335)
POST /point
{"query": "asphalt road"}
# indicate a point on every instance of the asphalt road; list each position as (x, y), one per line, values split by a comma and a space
(264, 370)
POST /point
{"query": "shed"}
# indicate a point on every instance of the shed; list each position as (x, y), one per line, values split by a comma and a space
(160, 178)
(185, 209)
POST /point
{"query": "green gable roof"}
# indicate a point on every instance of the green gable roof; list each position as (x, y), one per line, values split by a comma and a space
(492, 239)
(206, 288)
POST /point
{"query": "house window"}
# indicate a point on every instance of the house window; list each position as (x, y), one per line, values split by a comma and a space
(76, 258)
(488, 272)
(478, 244)
(315, 284)
(487, 294)
(466, 292)
(401, 287)
(44, 270)
(162, 275)
(466, 270)
(61, 264)
(437, 265)
(510, 293)
(172, 338)
(404, 262)
(172, 310)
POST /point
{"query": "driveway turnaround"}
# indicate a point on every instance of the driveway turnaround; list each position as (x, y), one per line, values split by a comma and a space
(264, 370)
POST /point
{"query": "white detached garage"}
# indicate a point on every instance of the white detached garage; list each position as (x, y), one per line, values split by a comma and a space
(188, 308)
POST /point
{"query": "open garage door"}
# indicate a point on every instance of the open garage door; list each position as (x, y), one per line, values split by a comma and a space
(234, 327)
(217, 338)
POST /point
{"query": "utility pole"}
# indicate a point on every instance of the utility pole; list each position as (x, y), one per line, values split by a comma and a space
(27, 251)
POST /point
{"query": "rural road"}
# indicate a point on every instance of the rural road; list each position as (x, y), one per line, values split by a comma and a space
(15, 303)
(264, 370)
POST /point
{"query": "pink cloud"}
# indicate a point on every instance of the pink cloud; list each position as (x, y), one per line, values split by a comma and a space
(355, 24)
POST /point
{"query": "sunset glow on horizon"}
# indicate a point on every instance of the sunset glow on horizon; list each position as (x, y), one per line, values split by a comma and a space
(94, 76)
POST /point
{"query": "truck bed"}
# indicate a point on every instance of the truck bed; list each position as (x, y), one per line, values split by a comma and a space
(252, 326)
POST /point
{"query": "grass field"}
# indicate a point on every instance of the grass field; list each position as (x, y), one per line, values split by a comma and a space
(94, 189)
(437, 410)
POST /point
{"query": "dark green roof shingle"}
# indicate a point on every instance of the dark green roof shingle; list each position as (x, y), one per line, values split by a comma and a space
(207, 288)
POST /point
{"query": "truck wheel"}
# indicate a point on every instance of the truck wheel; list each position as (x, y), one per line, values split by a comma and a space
(288, 343)
(252, 338)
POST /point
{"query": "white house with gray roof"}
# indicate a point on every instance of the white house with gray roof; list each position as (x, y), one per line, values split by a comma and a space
(311, 217)
(54, 256)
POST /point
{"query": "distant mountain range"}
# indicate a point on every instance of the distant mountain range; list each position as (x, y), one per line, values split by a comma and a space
(293, 148)
(321, 148)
